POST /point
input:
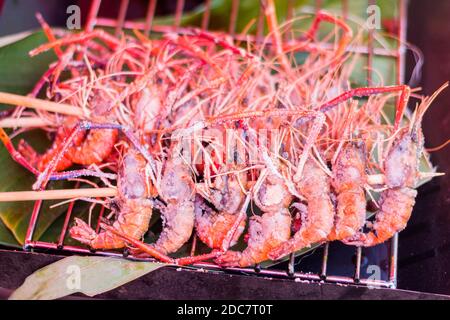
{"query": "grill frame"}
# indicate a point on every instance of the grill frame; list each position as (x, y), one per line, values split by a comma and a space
(147, 26)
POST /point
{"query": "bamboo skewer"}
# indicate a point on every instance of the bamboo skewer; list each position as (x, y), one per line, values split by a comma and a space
(57, 194)
(377, 179)
(18, 100)
(29, 122)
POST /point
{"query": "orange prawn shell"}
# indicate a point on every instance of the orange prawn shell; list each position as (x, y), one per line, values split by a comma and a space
(266, 232)
(348, 182)
(134, 209)
(213, 231)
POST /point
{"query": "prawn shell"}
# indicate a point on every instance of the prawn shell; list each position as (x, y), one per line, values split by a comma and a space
(178, 224)
(134, 210)
(348, 183)
(177, 189)
(212, 227)
(401, 164)
(397, 202)
(96, 147)
(273, 194)
(133, 220)
(176, 184)
(266, 232)
(395, 211)
(318, 220)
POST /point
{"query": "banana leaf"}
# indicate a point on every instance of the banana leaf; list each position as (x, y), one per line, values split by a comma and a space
(6, 237)
(16, 215)
(248, 11)
(88, 275)
(18, 74)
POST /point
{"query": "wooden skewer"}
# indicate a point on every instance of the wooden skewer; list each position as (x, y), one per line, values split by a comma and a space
(373, 179)
(18, 100)
(377, 179)
(426, 175)
(57, 194)
(29, 122)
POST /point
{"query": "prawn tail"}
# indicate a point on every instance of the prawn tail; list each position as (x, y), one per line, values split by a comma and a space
(282, 250)
(396, 209)
(96, 147)
(230, 259)
(178, 224)
(83, 233)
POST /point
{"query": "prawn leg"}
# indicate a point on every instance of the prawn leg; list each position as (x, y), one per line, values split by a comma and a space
(87, 125)
(16, 155)
(144, 250)
(77, 38)
(143, 247)
(195, 259)
(405, 92)
(64, 175)
(48, 33)
(347, 31)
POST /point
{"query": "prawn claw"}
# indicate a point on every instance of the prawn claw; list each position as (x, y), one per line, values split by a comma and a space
(82, 232)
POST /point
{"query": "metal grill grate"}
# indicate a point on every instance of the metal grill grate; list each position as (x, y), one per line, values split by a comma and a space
(290, 271)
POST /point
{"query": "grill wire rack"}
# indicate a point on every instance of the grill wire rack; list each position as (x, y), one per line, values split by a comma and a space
(290, 269)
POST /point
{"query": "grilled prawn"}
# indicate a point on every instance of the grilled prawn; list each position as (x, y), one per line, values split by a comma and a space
(317, 221)
(134, 208)
(267, 231)
(348, 183)
(177, 190)
(85, 149)
(401, 169)
(213, 224)
(397, 201)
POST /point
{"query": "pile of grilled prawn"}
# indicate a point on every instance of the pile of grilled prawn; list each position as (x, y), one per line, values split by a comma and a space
(227, 141)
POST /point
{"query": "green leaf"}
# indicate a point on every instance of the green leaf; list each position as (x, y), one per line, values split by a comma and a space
(80, 210)
(18, 74)
(88, 275)
(18, 71)
(248, 10)
(16, 215)
(6, 237)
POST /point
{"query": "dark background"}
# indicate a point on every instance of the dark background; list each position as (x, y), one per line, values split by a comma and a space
(424, 251)
(424, 248)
